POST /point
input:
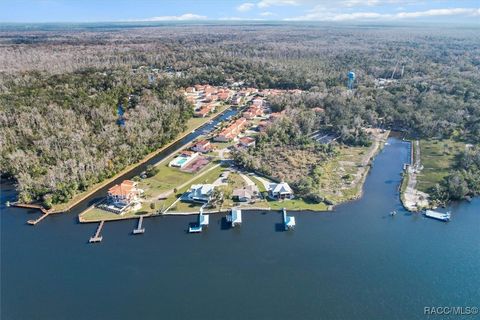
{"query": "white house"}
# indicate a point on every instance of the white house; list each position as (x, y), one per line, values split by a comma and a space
(200, 192)
(280, 191)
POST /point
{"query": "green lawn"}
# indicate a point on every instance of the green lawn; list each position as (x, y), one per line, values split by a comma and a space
(437, 158)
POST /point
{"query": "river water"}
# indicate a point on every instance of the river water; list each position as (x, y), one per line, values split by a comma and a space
(356, 262)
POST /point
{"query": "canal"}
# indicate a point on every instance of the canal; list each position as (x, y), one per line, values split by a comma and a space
(356, 262)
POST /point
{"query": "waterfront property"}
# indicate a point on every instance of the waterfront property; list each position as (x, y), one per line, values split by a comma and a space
(280, 191)
(201, 193)
(183, 159)
(232, 131)
(202, 146)
(245, 194)
(122, 197)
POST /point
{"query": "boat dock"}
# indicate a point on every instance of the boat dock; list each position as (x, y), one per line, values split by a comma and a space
(288, 221)
(139, 229)
(438, 215)
(203, 220)
(97, 237)
(235, 217)
(34, 222)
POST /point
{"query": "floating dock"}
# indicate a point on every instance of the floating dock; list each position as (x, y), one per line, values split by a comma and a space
(139, 229)
(203, 220)
(438, 215)
(235, 217)
(288, 221)
(97, 237)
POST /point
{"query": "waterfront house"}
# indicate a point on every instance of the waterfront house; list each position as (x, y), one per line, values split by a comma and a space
(183, 159)
(200, 193)
(232, 131)
(123, 194)
(243, 194)
(280, 191)
(202, 146)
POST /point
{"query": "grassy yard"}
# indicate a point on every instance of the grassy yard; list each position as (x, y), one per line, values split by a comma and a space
(437, 158)
(338, 174)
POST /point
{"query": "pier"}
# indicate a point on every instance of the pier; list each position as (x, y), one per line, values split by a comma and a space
(235, 217)
(34, 222)
(139, 229)
(203, 221)
(288, 221)
(97, 237)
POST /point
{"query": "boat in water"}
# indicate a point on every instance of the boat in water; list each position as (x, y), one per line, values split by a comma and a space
(392, 213)
(438, 215)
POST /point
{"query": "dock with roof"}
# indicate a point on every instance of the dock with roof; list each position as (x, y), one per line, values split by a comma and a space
(288, 221)
(235, 217)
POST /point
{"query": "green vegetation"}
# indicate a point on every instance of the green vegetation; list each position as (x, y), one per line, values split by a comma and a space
(438, 160)
(61, 134)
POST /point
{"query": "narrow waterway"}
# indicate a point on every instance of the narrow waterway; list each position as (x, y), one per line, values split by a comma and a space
(356, 262)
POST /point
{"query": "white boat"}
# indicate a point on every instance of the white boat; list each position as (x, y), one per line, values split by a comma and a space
(394, 212)
(438, 215)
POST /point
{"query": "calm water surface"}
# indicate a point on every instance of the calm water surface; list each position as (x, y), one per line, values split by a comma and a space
(354, 263)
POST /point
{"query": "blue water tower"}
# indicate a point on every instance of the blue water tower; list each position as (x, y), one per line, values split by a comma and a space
(351, 79)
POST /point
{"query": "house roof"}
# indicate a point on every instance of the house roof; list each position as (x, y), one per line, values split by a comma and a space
(242, 193)
(281, 188)
(123, 189)
(202, 143)
(201, 189)
(247, 140)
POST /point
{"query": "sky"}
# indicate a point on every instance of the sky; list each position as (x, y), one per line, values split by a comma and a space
(33, 11)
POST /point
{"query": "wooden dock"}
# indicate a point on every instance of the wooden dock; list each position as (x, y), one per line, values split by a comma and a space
(97, 237)
(34, 222)
(139, 229)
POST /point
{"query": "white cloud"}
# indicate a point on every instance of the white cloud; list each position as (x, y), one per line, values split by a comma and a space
(323, 14)
(267, 14)
(270, 3)
(239, 19)
(245, 6)
(183, 17)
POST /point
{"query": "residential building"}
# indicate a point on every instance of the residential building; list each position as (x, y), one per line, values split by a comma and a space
(252, 112)
(280, 191)
(202, 146)
(243, 194)
(183, 159)
(247, 142)
(200, 193)
(232, 131)
(123, 194)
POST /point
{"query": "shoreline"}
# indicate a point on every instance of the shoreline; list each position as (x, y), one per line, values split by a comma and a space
(379, 145)
(73, 202)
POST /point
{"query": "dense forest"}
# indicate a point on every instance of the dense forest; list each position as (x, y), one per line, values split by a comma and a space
(60, 89)
(63, 133)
